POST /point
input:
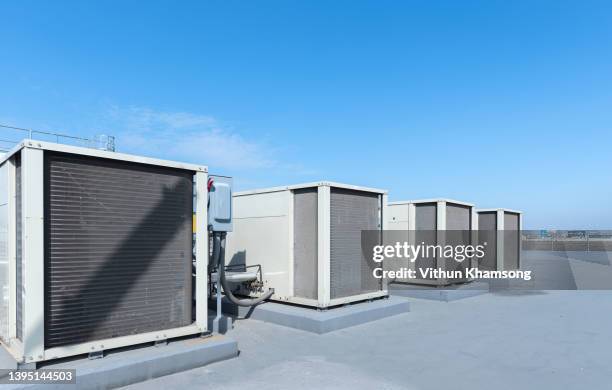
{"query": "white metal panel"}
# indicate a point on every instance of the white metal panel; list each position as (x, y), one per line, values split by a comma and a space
(441, 226)
(324, 249)
(117, 342)
(360, 297)
(385, 211)
(201, 203)
(431, 200)
(310, 185)
(412, 231)
(397, 217)
(4, 252)
(500, 239)
(272, 204)
(33, 253)
(411, 218)
(496, 209)
(42, 145)
(262, 236)
(474, 235)
(291, 236)
(441, 217)
(385, 226)
(12, 252)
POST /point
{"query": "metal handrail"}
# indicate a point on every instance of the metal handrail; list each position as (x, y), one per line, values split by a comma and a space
(9, 141)
(110, 140)
(32, 131)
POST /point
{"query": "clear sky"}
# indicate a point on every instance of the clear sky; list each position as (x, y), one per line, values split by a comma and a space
(501, 103)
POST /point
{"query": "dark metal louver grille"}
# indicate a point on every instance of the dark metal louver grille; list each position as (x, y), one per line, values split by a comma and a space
(458, 232)
(18, 249)
(426, 225)
(511, 241)
(305, 248)
(350, 270)
(487, 233)
(118, 243)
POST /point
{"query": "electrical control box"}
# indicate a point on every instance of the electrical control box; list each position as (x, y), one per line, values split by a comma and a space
(219, 203)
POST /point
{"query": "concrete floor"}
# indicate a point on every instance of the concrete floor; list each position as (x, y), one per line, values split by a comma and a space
(531, 340)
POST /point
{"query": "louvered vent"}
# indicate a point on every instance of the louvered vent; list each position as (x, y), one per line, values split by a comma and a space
(351, 213)
(305, 247)
(18, 249)
(487, 232)
(118, 248)
(426, 225)
(458, 232)
(511, 241)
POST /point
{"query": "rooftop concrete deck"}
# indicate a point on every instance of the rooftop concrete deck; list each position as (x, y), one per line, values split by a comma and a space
(508, 340)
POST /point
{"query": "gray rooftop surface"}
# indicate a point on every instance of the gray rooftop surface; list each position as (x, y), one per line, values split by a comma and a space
(510, 340)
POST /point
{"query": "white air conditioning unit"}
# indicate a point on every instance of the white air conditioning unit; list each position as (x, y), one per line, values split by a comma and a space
(431, 222)
(96, 250)
(307, 240)
(501, 230)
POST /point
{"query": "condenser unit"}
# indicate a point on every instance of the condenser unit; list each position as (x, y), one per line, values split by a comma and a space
(307, 241)
(431, 222)
(96, 250)
(501, 230)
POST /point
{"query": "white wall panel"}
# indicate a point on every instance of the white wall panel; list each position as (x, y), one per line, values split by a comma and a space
(4, 254)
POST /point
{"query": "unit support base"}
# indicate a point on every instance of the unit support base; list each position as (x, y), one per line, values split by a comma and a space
(27, 366)
(96, 355)
(161, 343)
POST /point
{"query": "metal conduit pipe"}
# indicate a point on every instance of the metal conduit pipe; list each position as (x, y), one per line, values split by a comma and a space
(219, 242)
(215, 260)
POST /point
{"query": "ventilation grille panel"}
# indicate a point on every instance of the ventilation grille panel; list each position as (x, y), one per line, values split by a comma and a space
(118, 248)
(18, 249)
(511, 241)
(305, 254)
(351, 213)
(487, 232)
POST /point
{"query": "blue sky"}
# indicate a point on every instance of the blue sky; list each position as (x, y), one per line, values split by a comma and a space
(501, 103)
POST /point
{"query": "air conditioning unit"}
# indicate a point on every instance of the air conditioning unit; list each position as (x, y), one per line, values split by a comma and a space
(307, 241)
(96, 250)
(431, 222)
(501, 230)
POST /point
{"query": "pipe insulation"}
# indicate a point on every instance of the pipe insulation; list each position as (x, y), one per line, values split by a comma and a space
(219, 243)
